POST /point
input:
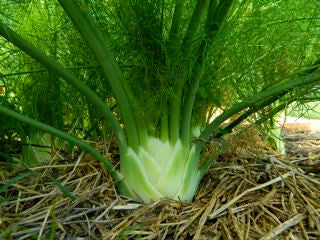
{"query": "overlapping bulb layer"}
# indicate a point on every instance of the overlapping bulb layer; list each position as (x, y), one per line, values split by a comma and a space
(161, 170)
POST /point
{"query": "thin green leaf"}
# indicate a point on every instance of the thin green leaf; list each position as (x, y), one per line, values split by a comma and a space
(64, 190)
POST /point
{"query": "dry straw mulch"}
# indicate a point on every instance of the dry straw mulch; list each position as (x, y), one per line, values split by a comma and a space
(249, 193)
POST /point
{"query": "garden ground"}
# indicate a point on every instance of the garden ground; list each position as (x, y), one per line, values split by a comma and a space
(249, 193)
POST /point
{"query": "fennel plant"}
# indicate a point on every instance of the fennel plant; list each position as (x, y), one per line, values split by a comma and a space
(171, 44)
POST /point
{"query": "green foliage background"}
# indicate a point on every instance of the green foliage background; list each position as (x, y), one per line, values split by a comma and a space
(261, 42)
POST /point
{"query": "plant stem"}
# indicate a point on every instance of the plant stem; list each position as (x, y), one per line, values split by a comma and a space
(193, 29)
(245, 115)
(127, 103)
(175, 116)
(86, 147)
(188, 105)
(176, 20)
(186, 49)
(276, 91)
(164, 134)
(216, 16)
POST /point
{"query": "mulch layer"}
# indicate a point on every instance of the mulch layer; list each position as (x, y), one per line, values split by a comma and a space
(249, 193)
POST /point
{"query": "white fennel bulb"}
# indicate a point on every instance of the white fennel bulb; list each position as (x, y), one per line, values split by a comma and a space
(161, 170)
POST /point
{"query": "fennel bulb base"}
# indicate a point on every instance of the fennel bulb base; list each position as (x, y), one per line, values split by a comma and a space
(161, 170)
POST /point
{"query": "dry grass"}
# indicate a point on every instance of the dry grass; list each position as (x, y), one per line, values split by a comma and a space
(249, 193)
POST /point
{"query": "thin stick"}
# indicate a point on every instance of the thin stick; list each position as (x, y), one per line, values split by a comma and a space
(274, 159)
(107, 210)
(228, 204)
(284, 226)
(44, 224)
